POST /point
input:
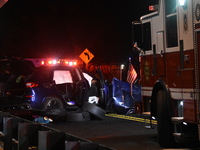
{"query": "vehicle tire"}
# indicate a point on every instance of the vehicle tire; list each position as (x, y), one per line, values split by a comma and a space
(53, 106)
(164, 124)
(77, 116)
(94, 110)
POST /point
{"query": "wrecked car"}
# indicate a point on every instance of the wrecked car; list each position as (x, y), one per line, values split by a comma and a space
(50, 87)
(53, 88)
(14, 72)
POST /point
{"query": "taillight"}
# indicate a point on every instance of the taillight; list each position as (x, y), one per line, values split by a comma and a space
(31, 84)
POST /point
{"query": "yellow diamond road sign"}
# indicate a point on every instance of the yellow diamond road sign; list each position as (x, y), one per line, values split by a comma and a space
(86, 56)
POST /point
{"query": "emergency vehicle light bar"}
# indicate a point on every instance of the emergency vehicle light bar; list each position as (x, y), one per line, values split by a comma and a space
(52, 62)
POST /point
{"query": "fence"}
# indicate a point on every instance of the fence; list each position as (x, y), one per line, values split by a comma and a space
(21, 134)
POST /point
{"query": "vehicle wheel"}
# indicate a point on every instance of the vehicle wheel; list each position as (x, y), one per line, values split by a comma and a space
(94, 110)
(164, 123)
(53, 106)
(77, 116)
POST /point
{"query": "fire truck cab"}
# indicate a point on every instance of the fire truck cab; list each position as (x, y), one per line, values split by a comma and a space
(170, 69)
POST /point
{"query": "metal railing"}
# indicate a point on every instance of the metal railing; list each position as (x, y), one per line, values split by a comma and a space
(21, 134)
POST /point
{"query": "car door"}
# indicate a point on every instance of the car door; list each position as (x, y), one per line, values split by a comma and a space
(104, 87)
(81, 86)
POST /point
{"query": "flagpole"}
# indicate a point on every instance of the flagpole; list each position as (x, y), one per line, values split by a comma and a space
(131, 87)
(131, 77)
(131, 84)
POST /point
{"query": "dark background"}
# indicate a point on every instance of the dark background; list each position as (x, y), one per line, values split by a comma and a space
(64, 28)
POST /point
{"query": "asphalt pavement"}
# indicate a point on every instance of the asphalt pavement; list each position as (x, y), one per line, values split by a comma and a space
(116, 133)
(119, 132)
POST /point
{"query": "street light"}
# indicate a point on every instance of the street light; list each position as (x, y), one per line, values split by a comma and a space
(121, 68)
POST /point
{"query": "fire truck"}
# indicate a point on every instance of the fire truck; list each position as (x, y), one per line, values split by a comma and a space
(169, 44)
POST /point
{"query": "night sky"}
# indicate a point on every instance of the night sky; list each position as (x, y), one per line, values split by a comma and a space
(64, 28)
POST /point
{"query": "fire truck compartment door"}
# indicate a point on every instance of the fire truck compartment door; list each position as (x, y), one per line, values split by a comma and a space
(160, 54)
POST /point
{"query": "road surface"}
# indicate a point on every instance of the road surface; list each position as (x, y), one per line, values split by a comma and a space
(116, 133)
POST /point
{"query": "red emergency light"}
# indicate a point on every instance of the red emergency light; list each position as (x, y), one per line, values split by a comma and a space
(42, 62)
(71, 63)
(153, 8)
(52, 62)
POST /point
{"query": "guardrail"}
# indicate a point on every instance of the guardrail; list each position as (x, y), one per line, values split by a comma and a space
(21, 134)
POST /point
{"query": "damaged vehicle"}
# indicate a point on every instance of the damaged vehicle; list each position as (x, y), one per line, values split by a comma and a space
(14, 72)
(50, 87)
(60, 88)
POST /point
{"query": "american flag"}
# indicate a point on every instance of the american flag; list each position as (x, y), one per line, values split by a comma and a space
(132, 74)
